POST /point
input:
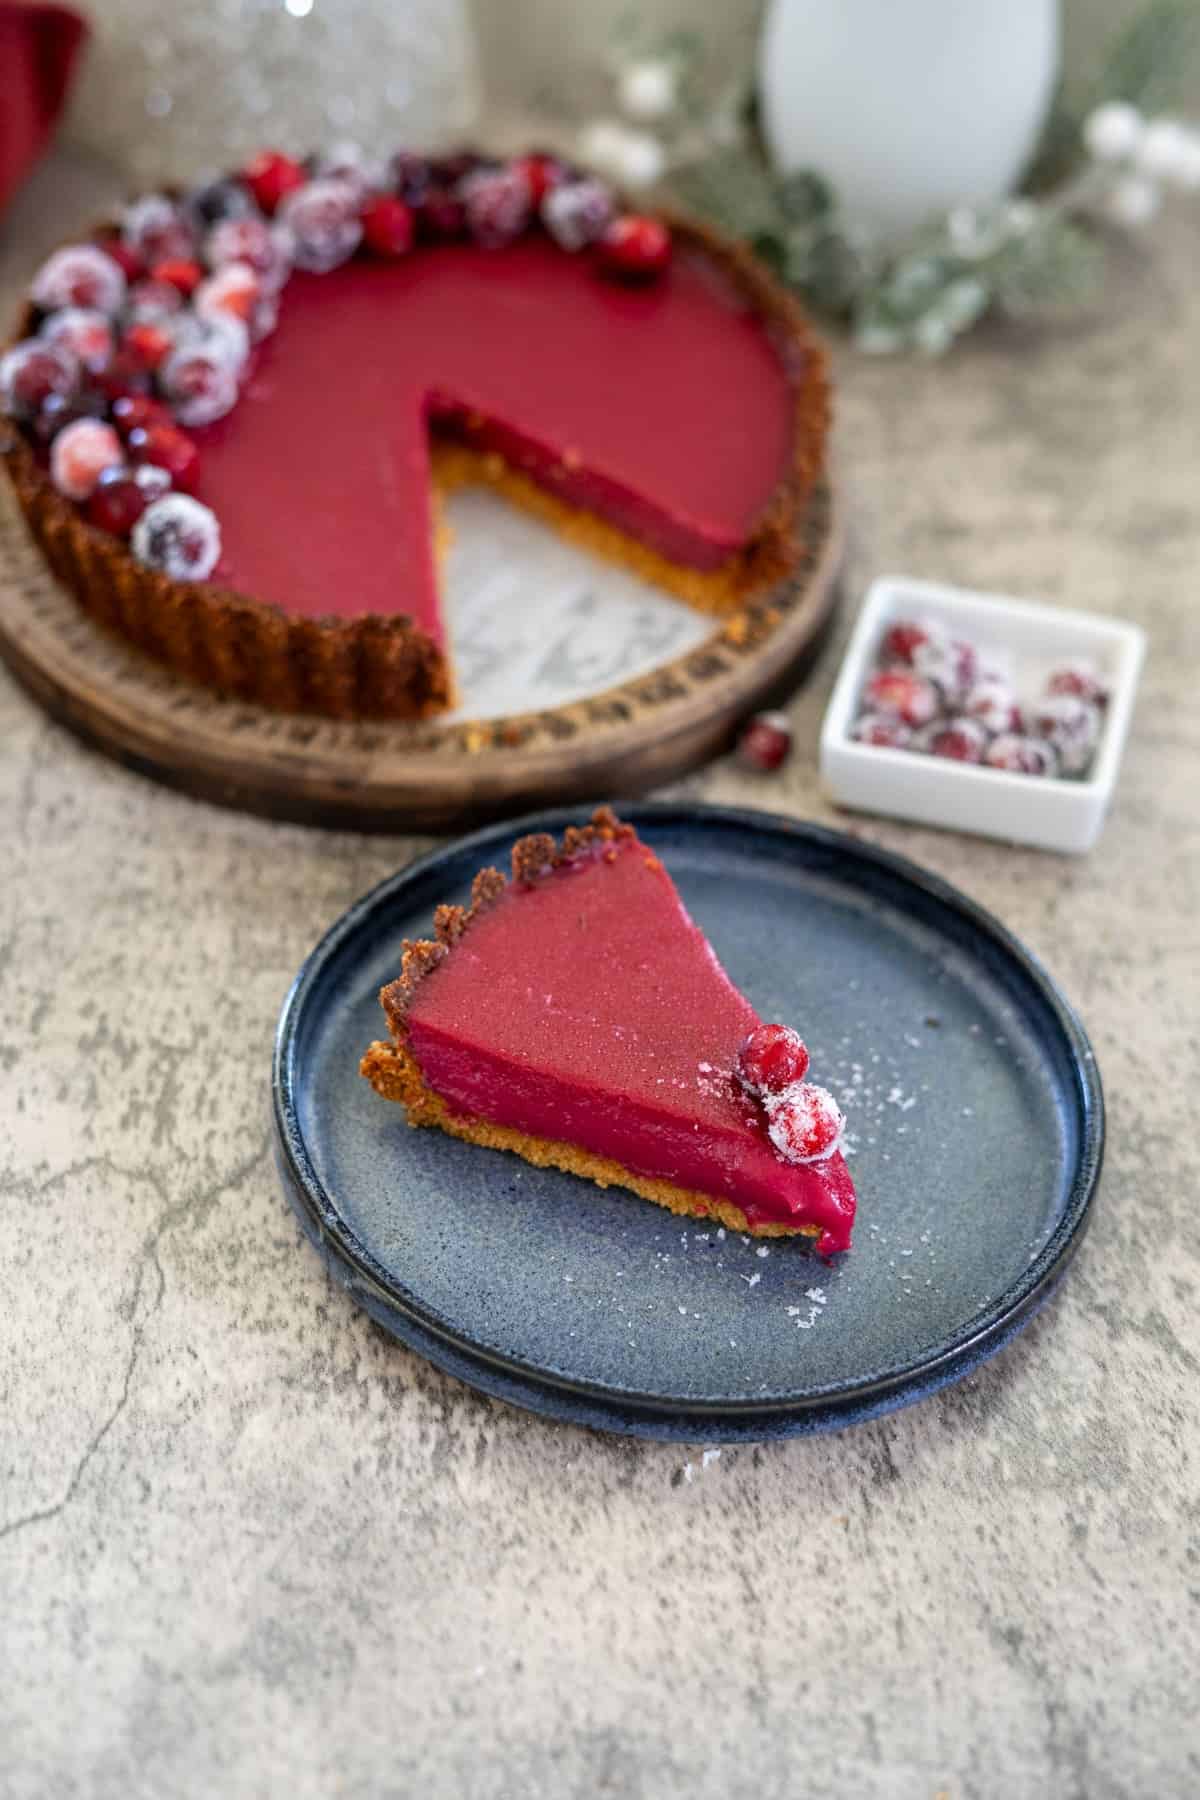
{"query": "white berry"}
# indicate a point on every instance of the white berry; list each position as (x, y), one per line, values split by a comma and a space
(179, 537)
(1167, 153)
(1133, 200)
(1113, 131)
(648, 90)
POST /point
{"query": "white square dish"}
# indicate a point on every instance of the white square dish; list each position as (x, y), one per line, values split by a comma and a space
(1053, 813)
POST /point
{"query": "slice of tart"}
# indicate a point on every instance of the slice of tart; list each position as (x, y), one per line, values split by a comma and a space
(576, 1016)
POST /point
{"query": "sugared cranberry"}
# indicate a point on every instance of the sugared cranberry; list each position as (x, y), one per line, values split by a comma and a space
(903, 639)
(951, 663)
(805, 1123)
(349, 163)
(60, 410)
(959, 740)
(541, 173)
(206, 206)
(448, 171)
(131, 411)
(323, 219)
(126, 258)
(410, 177)
(153, 302)
(1072, 726)
(80, 275)
(388, 226)
(149, 344)
(993, 702)
(86, 333)
(31, 372)
(635, 248)
(271, 176)
(236, 290)
(772, 1058)
(79, 455)
(578, 213)
(156, 229)
(179, 537)
(181, 272)
(117, 503)
(1081, 679)
(152, 480)
(1021, 755)
(168, 448)
(907, 696)
(766, 742)
(199, 387)
(267, 248)
(885, 730)
(442, 217)
(125, 374)
(498, 205)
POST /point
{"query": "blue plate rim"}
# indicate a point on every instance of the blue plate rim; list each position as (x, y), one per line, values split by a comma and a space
(371, 1281)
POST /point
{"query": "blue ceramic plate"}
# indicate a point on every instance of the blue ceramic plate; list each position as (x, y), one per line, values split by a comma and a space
(976, 1129)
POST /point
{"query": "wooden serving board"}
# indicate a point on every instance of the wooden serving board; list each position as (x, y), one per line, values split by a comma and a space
(436, 775)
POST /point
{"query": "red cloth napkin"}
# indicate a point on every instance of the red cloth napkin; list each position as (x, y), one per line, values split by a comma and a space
(39, 48)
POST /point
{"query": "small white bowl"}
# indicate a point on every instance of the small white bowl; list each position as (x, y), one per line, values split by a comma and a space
(1053, 813)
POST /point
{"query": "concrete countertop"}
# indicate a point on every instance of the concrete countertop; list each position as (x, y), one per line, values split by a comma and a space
(248, 1546)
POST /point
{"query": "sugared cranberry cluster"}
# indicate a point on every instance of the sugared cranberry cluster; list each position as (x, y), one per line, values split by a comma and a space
(804, 1122)
(935, 693)
(151, 327)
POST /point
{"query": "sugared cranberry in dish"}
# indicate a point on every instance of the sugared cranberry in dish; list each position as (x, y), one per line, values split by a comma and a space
(951, 663)
(80, 275)
(86, 333)
(577, 213)
(772, 1058)
(993, 701)
(766, 742)
(30, 372)
(271, 176)
(903, 639)
(1081, 679)
(179, 537)
(79, 455)
(1021, 755)
(887, 731)
(168, 448)
(805, 1123)
(117, 502)
(960, 740)
(323, 219)
(1072, 725)
(904, 694)
(635, 248)
(388, 226)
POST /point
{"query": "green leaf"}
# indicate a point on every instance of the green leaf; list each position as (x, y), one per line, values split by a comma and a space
(733, 190)
(1057, 264)
(1153, 61)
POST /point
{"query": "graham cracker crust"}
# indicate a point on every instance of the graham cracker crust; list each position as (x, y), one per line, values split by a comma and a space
(388, 667)
(394, 1073)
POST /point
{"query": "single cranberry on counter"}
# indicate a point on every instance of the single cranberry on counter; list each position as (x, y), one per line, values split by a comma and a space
(910, 697)
(1081, 679)
(772, 1058)
(388, 226)
(80, 453)
(885, 730)
(168, 448)
(960, 740)
(635, 248)
(766, 743)
(117, 502)
(271, 177)
(805, 1123)
(31, 372)
(1021, 755)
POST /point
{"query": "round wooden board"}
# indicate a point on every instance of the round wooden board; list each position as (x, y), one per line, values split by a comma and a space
(395, 777)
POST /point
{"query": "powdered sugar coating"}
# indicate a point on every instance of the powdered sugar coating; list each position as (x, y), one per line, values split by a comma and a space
(80, 275)
(1072, 725)
(179, 537)
(84, 331)
(322, 217)
(993, 701)
(804, 1122)
(32, 371)
(80, 454)
(577, 213)
(200, 387)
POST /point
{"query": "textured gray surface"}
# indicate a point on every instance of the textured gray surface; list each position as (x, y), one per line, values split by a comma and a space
(249, 1547)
